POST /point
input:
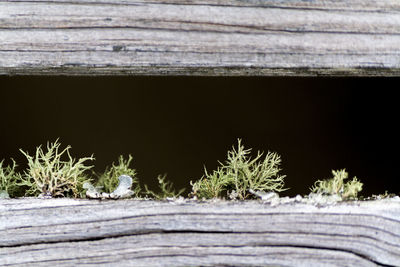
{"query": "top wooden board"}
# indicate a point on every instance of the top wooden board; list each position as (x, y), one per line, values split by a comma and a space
(200, 37)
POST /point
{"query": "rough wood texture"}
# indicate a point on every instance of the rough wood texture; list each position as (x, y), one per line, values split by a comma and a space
(67, 232)
(200, 37)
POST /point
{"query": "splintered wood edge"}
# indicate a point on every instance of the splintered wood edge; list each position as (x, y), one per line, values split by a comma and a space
(200, 37)
(185, 232)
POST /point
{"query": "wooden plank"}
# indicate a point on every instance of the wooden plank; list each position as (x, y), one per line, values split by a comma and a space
(69, 232)
(200, 37)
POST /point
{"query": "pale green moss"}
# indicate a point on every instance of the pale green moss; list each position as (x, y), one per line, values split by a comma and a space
(9, 179)
(108, 181)
(212, 185)
(239, 174)
(53, 172)
(49, 174)
(337, 186)
(166, 189)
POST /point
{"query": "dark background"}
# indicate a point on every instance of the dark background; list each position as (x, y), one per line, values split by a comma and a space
(178, 125)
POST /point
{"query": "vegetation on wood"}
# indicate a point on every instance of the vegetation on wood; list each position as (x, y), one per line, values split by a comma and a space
(53, 172)
(9, 180)
(382, 196)
(241, 173)
(108, 181)
(337, 186)
(166, 189)
(210, 185)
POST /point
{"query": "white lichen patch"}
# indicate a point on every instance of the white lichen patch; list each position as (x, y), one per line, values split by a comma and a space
(122, 191)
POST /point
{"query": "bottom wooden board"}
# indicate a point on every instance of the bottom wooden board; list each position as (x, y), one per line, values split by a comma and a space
(71, 232)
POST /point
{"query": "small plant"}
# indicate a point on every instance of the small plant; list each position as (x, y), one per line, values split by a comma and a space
(53, 172)
(239, 174)
(386, 195)
(337, 186)
(49, 174)
(108, 181)
(166, 189)
(9, 179)
(381, 196)
(122, 191)
(211, 185)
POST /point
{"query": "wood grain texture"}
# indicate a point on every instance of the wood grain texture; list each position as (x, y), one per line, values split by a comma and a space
(67, 232)
(200, 37)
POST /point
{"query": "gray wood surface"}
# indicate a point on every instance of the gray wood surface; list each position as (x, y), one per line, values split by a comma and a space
(200, 37)
(68, 232)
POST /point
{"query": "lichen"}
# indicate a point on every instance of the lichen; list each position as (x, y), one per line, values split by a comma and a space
(241, 173)
(166, 189)
(337, 186)
(109, 180)
(54, 173)
(9, 179)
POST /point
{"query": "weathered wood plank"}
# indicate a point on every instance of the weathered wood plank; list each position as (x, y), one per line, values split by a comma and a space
(67, 232)
(200, 37)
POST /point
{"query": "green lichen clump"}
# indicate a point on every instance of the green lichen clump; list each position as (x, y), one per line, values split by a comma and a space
(53, 172)
(166, 189)
(239, 174)
(108, 181)
(337, 186)
(212, 185)
(9, 179)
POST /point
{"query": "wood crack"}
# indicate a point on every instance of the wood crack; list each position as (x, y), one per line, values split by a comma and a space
(270, 245)
(258, 28)
(130, 232)
(239, 4)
